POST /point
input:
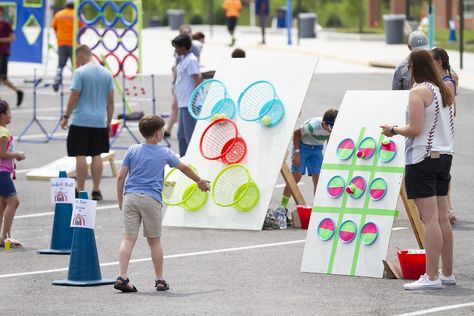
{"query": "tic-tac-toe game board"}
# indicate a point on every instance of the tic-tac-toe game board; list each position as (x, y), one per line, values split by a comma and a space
(358, 189)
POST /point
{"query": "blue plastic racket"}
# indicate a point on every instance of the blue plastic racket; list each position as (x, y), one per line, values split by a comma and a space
(210, 98)
(259, 102)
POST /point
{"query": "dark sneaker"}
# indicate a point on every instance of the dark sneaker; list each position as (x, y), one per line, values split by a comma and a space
(97, 196)
(19, 97)
(288, 220)
(55, 87)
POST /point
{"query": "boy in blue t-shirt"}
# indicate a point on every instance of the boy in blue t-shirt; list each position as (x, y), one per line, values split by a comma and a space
(140, 197)
(307, 155)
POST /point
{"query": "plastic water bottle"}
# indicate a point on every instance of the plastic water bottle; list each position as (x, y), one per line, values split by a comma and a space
(280, 216)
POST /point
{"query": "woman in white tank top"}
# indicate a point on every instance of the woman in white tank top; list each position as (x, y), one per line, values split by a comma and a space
(429, 136)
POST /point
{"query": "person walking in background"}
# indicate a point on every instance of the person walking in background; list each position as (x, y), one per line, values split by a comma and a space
(429, 134)
(196, 48)
(451, 80)
(8, 197)
(199, 36)
(262, 9)
(402, 77)
(188, 77)
(6, 37)
(63, 25)
(91, 104)
(140, 198)
(232, 12)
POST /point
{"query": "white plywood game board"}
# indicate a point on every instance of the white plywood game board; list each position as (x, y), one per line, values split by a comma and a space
(360, 115)
(266, 146)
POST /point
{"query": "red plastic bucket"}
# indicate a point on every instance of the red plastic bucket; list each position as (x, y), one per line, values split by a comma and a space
(413, 265)
(304, 213)
(114, 126)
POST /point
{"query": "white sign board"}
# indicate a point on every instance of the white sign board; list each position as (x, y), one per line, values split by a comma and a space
(266, 146)
(83, 214)
(349, 232)
(63, 190)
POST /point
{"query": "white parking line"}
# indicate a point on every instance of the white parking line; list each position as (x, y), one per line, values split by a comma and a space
(437, 309)
(105, 207)
(40, 110)
(399, 228)
(182, 255)
(279, 186)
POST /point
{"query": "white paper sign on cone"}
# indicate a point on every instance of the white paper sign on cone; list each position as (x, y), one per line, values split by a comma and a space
(63, 190)
(83, 214)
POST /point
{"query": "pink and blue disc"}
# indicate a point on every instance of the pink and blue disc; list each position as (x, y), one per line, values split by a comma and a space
(326, 229)
(368, 233)
(336, 186)
(377, 189)
(356, 187)
(347, 231)
(345, 149)
(366, 148)
(387, 151)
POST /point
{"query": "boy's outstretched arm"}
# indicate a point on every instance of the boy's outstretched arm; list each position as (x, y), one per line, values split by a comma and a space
(120, 184)
(202, 184)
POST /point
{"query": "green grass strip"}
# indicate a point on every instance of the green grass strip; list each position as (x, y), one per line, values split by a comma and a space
(387, 169)
(356, 211)
(355, 259)
(343, 205)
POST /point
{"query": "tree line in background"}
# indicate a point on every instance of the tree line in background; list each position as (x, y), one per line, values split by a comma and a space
(331, 13)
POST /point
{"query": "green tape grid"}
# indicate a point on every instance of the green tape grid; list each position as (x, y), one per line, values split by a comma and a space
(343, 207)
(387, 169)
(364, 216)
(356, 211)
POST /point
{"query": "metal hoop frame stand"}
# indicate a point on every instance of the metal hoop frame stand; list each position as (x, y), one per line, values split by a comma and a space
(21, 138)
(124, 115)
(61, 113)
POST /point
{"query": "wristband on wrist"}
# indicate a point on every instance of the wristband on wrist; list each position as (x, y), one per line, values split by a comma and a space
(392, 130)
(296, 151)
(66, 116)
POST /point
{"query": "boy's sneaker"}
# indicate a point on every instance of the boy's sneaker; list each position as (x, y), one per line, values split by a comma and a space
(447, 280)
(97, 196)
(423, 283)
(55, 87)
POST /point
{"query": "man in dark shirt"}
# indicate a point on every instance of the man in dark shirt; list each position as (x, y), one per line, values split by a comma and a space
(6, 37)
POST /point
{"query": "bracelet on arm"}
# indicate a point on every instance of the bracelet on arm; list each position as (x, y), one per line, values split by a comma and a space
(65, 116)
(296, 151)
(392, 130)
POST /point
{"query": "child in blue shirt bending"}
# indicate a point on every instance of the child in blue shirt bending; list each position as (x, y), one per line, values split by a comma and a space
(140, 197)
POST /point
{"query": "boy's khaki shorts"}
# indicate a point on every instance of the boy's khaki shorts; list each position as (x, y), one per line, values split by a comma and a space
(138, 206)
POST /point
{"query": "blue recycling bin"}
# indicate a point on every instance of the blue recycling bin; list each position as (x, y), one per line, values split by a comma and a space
(281, 17)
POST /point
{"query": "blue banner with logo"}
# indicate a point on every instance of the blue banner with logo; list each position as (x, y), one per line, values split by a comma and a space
(27, 18)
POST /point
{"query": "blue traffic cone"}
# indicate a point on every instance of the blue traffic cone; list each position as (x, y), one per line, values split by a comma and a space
(61, 237)
(84, 268)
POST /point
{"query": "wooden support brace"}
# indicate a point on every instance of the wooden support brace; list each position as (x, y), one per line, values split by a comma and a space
(413, 216)
(67, 164)
(290, 181)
